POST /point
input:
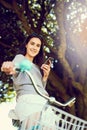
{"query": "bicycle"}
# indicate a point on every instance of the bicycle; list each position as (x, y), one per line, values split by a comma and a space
(51, 117)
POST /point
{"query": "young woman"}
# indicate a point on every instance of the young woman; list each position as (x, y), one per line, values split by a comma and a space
(28, 101)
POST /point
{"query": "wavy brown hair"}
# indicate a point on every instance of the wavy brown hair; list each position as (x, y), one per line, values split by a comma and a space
(39, 59)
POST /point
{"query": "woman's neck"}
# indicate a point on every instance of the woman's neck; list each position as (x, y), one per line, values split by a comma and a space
(29, 58)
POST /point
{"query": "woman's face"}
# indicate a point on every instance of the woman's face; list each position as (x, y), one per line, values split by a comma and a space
(33, 47)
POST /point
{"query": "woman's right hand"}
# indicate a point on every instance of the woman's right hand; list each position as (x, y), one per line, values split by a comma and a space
(8, 67)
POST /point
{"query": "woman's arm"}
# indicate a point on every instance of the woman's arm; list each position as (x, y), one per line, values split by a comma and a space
(9, 66)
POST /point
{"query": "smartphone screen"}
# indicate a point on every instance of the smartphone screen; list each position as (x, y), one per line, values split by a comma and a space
(48, 60)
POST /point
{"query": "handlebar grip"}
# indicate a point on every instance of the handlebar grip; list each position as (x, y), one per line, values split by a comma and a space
(70, 102)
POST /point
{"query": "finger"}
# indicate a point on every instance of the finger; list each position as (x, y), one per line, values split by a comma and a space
(45, 66)
(46, 70)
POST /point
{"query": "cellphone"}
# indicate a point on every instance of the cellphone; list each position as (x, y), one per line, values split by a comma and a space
(48, 60)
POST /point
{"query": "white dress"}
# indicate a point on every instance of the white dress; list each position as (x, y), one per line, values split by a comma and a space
(29, 103)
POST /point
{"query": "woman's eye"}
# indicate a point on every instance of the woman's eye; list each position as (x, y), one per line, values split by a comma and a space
(38, 45)
(32, 43)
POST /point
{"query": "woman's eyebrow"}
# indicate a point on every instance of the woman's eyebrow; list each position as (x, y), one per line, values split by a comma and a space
(35, 43)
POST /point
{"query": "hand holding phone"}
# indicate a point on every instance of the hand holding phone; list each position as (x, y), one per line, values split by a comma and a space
(50, 59)
(46, 67)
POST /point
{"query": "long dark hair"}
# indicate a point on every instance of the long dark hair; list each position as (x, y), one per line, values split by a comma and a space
(39, 59)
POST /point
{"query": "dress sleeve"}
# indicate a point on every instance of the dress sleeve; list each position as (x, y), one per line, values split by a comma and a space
(18, 59)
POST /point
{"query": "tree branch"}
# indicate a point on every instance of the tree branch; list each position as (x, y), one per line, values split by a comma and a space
(6, 4)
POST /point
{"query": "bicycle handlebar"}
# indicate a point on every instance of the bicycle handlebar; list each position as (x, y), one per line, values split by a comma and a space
(51, 100)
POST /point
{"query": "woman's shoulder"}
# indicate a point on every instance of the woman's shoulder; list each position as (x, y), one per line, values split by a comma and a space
(18, 58)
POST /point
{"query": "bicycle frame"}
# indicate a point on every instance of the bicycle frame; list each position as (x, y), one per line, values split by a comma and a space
(54, 118)
(60, 119)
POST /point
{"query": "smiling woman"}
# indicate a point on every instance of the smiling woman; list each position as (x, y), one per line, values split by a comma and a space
(28, 101)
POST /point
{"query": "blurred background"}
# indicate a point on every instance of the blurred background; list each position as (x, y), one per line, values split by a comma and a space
(63, 24)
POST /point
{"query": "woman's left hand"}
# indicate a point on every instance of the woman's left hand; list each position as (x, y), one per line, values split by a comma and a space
(46, 70)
